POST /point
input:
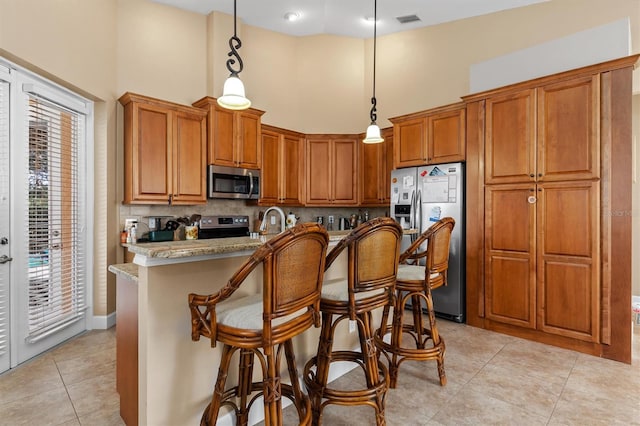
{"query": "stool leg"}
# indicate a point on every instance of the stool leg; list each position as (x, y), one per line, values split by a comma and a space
(245, 377)
(272, 391)
(323, 361)
(210, 416)
(299, 397)
(396, 338)
(416, 309)
(370, 358)
(436, 337)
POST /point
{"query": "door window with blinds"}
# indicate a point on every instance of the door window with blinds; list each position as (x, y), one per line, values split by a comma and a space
(56, 260)
(49, 202)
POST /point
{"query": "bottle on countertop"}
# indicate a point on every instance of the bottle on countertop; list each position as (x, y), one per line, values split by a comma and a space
(133, 232)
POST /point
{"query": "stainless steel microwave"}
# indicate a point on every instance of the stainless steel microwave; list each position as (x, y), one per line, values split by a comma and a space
(232, 182)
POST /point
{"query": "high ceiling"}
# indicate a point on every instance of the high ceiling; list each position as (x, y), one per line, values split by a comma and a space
(347, 17)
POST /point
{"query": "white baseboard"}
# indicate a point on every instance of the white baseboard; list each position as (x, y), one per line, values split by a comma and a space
(102, 322)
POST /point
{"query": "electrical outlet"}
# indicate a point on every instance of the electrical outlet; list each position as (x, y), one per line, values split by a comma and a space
(331, 219)
(352, 326)
(273, 219)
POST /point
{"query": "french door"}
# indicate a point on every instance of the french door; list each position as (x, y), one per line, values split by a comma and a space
(43, 216)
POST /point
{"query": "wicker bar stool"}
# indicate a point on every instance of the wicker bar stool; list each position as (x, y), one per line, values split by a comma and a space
(414, 283)
(373, 251)
(262, 325)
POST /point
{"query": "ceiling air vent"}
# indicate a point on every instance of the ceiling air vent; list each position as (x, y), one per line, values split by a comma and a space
(407, 19)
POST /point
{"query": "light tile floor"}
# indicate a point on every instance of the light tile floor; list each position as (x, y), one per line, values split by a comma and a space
(492, 379)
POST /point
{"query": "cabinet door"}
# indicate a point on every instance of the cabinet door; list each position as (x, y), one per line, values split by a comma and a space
(510, 149)
(446, 137)
(371, 157)
(376, 163)
(510, 254)
(291, 170)
(270, 172)
(151, 154)
(221, 137)
(318, 176)
(248, 140)
(410, 145)
(344, 166)
(189, 159)
(568, 130)
(568, 259)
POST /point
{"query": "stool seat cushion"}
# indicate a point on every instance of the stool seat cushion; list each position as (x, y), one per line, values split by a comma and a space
(339, 290)
(246, 313)
(413, 273)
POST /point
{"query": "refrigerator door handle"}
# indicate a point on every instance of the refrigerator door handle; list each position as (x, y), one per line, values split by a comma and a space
(412, 217)
(419, 211)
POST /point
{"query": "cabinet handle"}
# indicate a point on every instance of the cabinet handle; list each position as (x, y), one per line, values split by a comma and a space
(170, 199)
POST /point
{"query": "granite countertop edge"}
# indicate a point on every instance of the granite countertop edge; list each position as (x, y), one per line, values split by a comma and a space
(190, 248)
(127, 270)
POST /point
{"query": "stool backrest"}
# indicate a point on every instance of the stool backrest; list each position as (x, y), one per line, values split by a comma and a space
(436, 254)
(293, 265)
(373, 253)
(293, 270)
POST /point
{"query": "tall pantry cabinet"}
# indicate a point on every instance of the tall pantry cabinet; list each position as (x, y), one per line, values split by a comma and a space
(547, 169)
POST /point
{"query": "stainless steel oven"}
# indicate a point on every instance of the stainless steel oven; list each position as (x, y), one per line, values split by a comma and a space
(232, 182)
(223, 227)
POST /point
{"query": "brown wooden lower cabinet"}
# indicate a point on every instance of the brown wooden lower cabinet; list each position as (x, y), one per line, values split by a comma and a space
(542, 257)
(127, 348)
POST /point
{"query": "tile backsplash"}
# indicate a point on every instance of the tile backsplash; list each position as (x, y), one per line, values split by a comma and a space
(241, 207)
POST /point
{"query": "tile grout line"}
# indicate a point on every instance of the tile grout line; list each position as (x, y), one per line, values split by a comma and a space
(66, 390)
(564, 386)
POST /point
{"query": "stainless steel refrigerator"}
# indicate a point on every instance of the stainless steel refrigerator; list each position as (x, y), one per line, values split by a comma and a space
(421, 196)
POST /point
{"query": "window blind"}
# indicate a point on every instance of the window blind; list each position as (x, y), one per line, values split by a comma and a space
(56, 253)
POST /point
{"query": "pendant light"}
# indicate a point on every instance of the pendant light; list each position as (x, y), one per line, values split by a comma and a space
(373, 131)
(233, 96)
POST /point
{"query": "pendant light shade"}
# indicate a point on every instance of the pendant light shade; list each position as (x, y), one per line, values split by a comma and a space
(373, 134)
(233, 96)
(373, 131)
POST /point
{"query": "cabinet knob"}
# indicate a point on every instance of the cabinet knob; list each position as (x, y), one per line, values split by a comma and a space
(531, 175)
(539, 174)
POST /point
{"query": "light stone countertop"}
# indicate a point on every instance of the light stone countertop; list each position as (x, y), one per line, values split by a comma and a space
(128, 270)
(215, 247)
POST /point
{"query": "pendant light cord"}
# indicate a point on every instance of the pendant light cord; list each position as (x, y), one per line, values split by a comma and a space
(234, 45)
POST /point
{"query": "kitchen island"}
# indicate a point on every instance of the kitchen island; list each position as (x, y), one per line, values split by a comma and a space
(163, 377)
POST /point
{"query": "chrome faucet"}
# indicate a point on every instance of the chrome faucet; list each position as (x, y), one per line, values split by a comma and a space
(263, 225)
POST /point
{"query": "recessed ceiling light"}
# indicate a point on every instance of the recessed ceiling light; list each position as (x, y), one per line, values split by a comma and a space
(291, 16)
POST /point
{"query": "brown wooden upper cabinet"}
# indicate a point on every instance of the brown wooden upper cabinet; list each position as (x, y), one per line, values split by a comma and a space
(282, 167)
(164, 152)
(331, 167)
(429, 137)
(233, 136)
(376, 164)
(547, 133)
